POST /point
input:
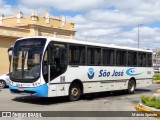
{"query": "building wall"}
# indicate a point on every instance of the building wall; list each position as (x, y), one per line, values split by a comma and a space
(4, 62)
(156, 58)
(13, 32)
(53, 22)
(14, 27)
(8, 36)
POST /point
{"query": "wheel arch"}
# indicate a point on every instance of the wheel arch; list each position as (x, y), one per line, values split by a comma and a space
(5, 83)
(132, 78)
(77, 81)
(2, 80)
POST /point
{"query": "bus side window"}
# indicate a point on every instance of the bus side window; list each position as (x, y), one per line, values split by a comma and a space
(134, 59)
(105, 56)
(149, 60)
(130, 58)
(121, 58)
(76, 55)
(142, 59)
(111, 57)
(97, 56)
(90, 56)
(144, 62)
(63, 56)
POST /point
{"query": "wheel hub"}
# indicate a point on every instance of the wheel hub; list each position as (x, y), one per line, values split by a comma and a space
(132, 86)
(74, 92)
(2, 84)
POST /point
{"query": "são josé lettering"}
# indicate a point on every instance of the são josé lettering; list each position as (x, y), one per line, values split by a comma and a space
(105, 73)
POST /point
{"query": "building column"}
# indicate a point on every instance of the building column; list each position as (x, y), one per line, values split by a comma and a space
(33, 30)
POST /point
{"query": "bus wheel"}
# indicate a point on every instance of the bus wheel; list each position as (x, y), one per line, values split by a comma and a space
(2, 84)
(131, 86)
(74, 92)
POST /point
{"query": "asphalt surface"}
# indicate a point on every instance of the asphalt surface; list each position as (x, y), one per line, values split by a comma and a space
(106, 101)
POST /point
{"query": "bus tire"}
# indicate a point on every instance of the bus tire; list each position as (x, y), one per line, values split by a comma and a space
(2, 84)
(74, 92)
(131, 86)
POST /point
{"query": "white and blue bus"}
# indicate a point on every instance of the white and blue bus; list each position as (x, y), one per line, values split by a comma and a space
(50, 67)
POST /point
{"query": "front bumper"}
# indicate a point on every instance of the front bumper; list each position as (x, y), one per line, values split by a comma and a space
(40, 91)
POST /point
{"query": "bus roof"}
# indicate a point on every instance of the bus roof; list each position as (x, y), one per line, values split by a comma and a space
(74, 41)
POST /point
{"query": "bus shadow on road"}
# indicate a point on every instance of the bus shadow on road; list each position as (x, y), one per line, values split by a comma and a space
(139, 91)
(41, 100)
(59, 100)
(108, 94)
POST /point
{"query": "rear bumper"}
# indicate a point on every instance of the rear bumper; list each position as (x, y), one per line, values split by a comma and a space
(40, 91)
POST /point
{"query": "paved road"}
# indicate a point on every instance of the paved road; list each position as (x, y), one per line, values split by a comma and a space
(108, 101)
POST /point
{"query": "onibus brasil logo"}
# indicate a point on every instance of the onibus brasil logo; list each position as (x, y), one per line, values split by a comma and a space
(90, 73)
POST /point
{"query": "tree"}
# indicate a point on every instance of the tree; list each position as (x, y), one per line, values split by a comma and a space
(158, 53)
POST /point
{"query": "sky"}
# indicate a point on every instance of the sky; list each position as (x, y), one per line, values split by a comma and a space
(102, 21)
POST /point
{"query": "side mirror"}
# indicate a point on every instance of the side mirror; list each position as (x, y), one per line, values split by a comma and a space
(10, 58)
(10, 53)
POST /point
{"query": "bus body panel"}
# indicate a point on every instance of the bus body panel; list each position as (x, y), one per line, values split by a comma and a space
(94, 78)
(116, 80)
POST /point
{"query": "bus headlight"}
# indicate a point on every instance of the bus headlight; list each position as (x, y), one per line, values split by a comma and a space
(35, 84)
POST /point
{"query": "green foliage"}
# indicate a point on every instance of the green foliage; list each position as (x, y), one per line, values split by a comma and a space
(158, 53)
(156, 76)
(151, 102)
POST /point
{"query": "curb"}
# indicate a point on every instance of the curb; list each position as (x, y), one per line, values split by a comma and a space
(158, 91)
(156, 82)
(140, 107)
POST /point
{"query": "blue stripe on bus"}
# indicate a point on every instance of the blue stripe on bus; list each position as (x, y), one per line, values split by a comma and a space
(40, 91)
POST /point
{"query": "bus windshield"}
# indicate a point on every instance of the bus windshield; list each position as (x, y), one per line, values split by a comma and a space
(25, 64)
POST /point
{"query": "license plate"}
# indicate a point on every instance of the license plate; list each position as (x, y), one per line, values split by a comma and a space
(21, 89)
